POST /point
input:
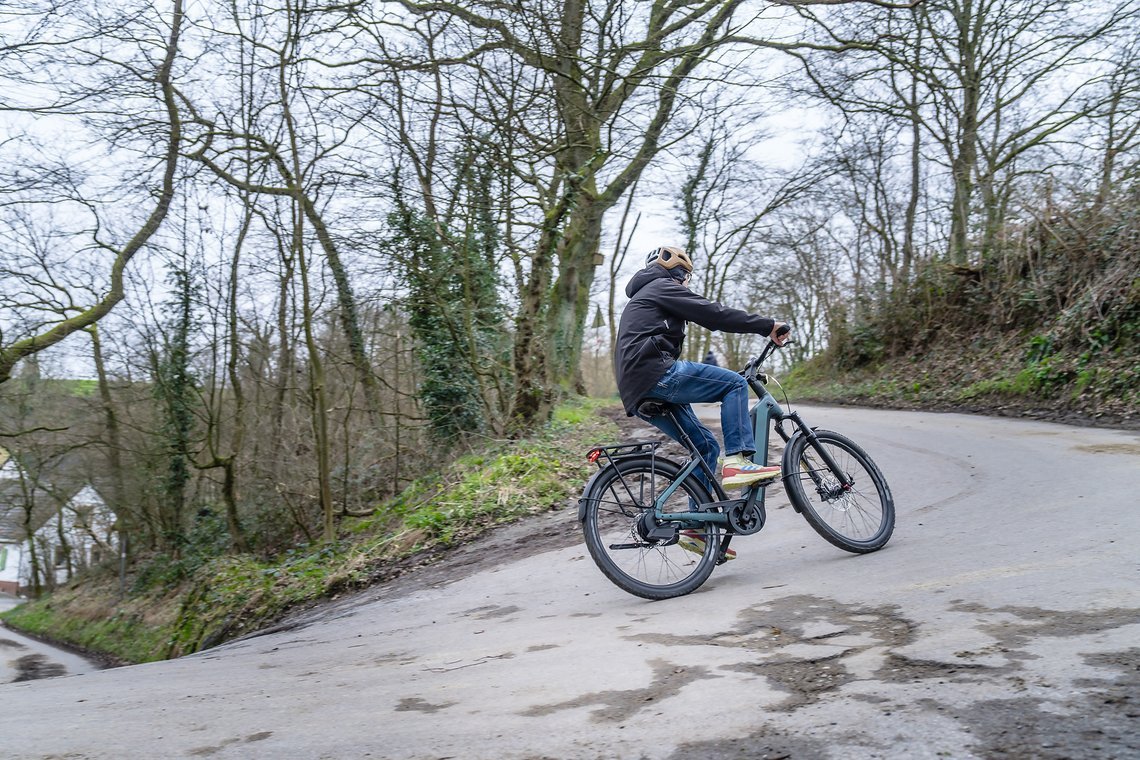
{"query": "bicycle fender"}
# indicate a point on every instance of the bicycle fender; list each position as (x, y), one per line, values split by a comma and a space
(584, 499)
(588, 491)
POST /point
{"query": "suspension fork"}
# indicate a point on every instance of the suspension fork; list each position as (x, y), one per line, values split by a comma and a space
(844, 478)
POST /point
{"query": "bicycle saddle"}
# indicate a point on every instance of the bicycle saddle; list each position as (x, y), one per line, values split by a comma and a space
(653, 407)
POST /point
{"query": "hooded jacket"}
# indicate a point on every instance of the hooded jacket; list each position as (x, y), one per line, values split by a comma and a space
(652, 330)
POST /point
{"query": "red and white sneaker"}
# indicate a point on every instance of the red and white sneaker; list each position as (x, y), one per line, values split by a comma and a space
(738, 471)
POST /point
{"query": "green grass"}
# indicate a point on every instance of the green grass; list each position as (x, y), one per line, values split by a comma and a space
(1024, 384)
(1010, 372)
(805, 383)
(131, 630)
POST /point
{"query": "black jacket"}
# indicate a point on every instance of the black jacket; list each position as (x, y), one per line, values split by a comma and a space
(652, 330)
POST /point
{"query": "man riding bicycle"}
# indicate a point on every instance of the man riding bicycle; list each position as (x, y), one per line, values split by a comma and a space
(648, 366)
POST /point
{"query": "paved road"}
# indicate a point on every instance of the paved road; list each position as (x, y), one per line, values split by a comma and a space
(23, 658)
(1003, 620)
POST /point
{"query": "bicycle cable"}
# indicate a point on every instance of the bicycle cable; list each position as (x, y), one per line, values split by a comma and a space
(787, 401)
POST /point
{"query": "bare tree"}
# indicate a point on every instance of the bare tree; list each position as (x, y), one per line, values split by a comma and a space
(275, 141)
(1117, 117)
(989, 82)
(724, 204)
(227, 401)
(43, 307)
(607, 84)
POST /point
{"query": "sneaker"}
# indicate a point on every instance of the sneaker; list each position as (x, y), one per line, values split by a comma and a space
(695, 542)
(738, 471)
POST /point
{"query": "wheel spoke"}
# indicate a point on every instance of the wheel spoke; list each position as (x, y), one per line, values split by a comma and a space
(858, 516)
(634, 551)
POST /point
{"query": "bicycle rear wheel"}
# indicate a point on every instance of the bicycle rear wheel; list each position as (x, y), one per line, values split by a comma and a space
(858, 517)
(618, 520)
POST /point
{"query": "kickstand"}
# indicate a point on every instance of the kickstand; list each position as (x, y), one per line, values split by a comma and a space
(722, 551)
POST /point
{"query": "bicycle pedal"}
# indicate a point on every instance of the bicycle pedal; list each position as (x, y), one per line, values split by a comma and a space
(761, 484)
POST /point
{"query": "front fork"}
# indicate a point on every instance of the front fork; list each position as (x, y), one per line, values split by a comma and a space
(766, 410)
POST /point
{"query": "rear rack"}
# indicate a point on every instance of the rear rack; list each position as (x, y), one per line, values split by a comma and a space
(621, 451)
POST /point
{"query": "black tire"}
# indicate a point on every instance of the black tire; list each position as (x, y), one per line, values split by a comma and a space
(858, 519)
(620, 497)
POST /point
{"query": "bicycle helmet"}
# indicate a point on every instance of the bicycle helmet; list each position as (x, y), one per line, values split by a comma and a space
(670, 257)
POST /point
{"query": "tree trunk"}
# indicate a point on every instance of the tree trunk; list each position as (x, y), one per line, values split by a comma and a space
(532, 396)
(570, 296)
(348, 311)
(902, 284)
(115, 474)
(318, 405)
(965, 160)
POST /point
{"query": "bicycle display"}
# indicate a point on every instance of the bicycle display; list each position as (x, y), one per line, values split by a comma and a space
(635, 507)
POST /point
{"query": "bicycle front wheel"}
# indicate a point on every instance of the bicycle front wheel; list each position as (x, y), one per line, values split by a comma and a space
(857, 513)
(638, 554)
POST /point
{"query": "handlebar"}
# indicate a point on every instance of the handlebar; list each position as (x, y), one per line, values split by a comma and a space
(750, 369)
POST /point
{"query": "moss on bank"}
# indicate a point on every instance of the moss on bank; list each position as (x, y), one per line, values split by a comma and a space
(1016, 374)
(165, 614)
(1044, 322)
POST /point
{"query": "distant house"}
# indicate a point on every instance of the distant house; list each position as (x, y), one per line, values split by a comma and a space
(49, 530)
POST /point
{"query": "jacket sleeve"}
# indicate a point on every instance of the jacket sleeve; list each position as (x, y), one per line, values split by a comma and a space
(676, 299)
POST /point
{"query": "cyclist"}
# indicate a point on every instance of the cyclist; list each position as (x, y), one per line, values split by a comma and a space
(648, 366)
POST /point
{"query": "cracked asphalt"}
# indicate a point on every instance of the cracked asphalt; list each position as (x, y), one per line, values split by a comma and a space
(1002, 621)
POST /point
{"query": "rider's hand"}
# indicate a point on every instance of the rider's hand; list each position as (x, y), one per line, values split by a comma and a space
(780, 333)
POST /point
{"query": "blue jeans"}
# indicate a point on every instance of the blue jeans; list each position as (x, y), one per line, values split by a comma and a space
(688, 383)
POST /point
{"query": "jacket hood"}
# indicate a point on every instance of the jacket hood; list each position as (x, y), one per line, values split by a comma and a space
(646, 276)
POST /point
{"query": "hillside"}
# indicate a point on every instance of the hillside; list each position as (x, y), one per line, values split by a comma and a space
(1047, 326)
(170, 607)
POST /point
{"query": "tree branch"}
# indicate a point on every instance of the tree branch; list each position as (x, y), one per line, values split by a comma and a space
(10, 355)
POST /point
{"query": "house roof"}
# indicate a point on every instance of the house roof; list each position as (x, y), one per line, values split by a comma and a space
(46, 499)
(15, 522)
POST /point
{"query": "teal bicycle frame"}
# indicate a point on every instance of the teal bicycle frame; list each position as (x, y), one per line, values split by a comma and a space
(762, 413)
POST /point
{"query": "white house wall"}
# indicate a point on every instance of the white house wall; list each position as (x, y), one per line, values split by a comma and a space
(85, 524)
(11, 557)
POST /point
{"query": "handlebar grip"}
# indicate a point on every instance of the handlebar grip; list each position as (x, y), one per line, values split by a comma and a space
(784, 330)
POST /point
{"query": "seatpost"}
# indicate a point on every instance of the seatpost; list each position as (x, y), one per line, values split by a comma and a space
(686, 441)
(696, 454)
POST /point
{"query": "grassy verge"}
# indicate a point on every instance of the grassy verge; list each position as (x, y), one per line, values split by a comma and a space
(1008, 375)
(230, 595)
(94, 617)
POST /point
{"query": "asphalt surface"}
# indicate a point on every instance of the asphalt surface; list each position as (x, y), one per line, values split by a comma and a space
(23, 658)
(1002, 621)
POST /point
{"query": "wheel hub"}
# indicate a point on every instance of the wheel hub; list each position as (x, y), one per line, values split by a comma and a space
(651, 531)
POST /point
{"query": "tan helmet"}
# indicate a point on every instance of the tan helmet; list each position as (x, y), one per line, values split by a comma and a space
(670, 257)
